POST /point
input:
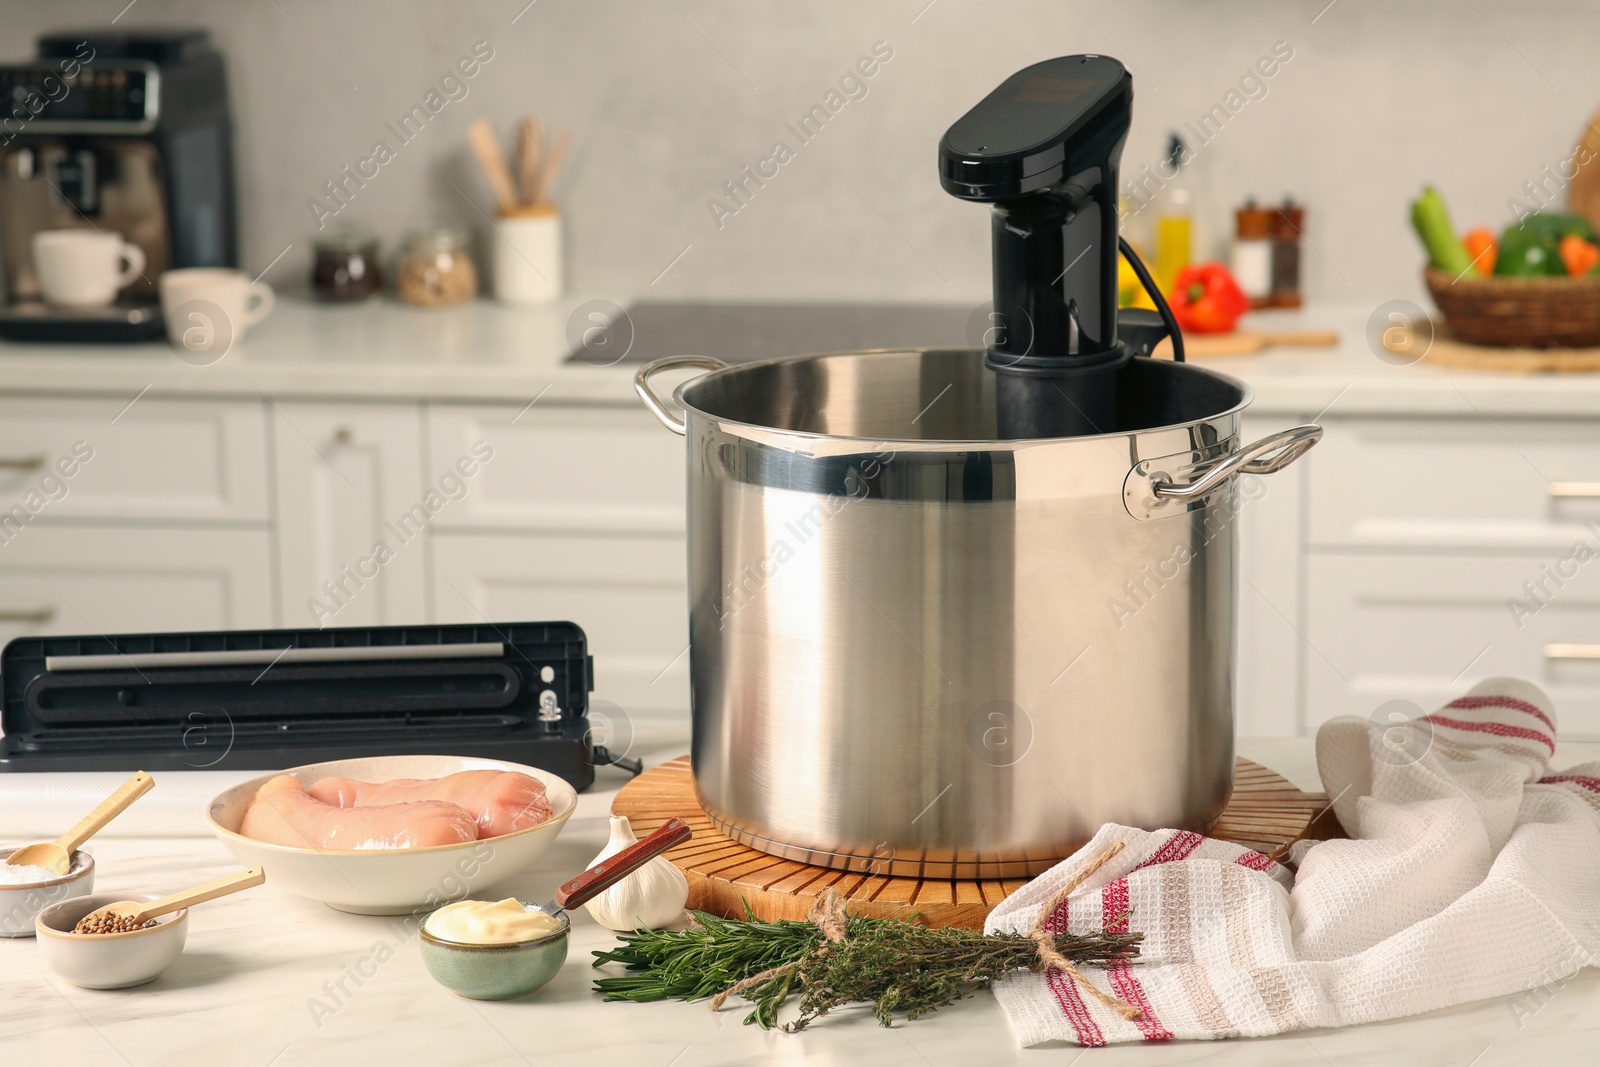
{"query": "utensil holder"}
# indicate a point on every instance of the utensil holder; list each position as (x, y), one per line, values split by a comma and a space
(527, 257)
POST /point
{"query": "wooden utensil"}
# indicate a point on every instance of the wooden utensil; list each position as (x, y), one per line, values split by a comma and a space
(486, 146)
(1246, 342)
(138, 914)
(57, 855)
(529, 150)
(613, 869)
(551, 168)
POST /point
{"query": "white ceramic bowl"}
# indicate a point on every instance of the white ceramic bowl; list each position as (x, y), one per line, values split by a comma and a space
(108, 961)
(20, 903)
(391, 881)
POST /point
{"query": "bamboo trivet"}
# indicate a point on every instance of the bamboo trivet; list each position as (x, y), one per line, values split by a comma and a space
(1266, 813)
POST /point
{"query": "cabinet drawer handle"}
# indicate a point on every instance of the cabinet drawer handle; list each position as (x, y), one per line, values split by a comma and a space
(1591, 489)
(1561, 651)
(22, 463)
(40, 615)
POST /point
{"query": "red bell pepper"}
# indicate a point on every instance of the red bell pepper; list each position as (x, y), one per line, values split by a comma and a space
(1206, 299)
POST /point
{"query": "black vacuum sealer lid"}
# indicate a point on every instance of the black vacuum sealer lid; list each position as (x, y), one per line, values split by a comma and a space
(265, 699)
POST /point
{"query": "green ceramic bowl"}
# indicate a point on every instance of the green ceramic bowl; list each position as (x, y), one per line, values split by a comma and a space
(496, 972)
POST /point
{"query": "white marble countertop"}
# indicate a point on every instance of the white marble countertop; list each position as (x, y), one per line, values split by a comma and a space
(245, 991)
(383, 350)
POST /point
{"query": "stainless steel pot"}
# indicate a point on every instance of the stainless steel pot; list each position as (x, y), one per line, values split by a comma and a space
(920, 651)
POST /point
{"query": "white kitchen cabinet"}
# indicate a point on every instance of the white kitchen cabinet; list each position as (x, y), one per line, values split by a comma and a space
(88, 579)
(1378, 567)
(628, 594)
(1424, 628)
(562, 468)
(1269, 606)
(353, 510)
(1444, 483)
(151, 460)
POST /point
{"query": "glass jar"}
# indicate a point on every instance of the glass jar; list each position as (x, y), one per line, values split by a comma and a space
(345, 267)
(435, 270)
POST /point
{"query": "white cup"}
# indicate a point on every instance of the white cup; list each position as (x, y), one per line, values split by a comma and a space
(527, 258)
(208, 309)
(84, 268)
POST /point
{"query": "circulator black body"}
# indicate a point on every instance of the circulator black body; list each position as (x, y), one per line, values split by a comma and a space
(1043, 148)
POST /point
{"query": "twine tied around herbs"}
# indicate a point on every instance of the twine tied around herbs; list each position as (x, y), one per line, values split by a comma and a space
(828, 913)
(829, 916)
(1049, 956)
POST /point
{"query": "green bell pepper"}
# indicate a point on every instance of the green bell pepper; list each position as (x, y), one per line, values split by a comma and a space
(1531, 248)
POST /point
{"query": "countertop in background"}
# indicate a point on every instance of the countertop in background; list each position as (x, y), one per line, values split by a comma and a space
(255, 987)
(383, 350)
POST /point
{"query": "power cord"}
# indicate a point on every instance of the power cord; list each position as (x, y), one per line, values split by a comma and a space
(1150, 286)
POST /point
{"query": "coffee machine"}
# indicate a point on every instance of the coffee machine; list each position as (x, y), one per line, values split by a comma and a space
(121, 133)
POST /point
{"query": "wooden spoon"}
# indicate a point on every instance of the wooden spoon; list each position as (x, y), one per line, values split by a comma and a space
(57, 855)
(486, 146)
(551, 168)
(138, 914)
(530, 146)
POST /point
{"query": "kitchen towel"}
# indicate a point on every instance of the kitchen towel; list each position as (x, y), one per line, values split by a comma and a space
(1470, 872)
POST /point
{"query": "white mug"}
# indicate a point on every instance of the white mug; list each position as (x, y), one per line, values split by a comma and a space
(84, 268)
(208, 309)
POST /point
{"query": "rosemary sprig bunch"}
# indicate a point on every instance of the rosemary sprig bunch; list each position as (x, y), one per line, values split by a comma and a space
(899, 967)
(713, 955)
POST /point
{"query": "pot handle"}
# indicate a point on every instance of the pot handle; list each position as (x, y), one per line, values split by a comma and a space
(1266, 456)
(641, 385)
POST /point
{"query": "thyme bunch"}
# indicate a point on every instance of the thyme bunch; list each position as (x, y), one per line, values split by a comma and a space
(899, 967)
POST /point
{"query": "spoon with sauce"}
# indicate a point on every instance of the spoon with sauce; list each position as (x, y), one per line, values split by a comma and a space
(613, 869)
(509, 921)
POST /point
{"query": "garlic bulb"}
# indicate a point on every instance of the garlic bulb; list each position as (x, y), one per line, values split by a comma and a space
(652, 896)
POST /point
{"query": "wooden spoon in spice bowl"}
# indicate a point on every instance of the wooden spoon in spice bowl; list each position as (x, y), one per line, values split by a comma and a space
(57, 855)
(127, 915)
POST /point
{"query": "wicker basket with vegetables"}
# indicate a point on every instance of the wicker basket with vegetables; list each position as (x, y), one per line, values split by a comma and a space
(1537, 286)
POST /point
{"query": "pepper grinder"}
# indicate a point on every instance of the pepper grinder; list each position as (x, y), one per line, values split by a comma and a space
(1288, 223)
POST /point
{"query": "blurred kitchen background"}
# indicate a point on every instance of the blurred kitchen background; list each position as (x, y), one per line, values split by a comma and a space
(669, 99)
(1426, 543)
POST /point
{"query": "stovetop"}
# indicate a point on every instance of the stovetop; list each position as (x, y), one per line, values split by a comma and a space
(744, 333)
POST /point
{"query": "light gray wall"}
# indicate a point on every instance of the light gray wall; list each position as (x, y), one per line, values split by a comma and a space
(669, 98)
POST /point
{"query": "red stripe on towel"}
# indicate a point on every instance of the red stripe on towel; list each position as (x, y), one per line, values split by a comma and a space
(1177, 847)
(1256, 862)
(1070, 1000)
(1114, 906)
(1498, 729)
(1114, 918)
(1583, 780)
(1065, 989)
(1511, 703)
(1126, 986)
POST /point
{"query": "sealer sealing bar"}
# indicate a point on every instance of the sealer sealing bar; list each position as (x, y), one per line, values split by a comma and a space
(269, 656)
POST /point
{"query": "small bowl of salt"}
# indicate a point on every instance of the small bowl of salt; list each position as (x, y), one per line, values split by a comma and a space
(26, 891)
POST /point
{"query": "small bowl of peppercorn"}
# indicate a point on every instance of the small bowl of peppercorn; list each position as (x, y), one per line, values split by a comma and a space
(115, 959)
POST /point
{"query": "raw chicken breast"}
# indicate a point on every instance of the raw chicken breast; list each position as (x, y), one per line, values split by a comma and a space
(501, 801)
(283, 813)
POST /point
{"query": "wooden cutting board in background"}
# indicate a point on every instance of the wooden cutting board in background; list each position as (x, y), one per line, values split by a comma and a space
(1246, 342)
